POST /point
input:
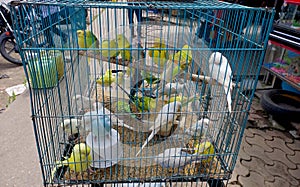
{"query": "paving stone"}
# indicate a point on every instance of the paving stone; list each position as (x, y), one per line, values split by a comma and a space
(280, 156)
(280, 144)
(259, 152)
(254, 179)
(239, 170)
(248, 133)
(261, 133)
(279, 182)
(279, 134)
(295, 145)
(281, 170)
(257, 165)
(233, 185)
(259, 141)
(295, 172)
(295, 158)
(242, 154)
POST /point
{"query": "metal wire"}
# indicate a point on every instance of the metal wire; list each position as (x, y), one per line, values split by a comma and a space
(120, 74)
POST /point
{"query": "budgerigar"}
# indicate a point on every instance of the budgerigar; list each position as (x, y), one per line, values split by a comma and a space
(108, 78)
(124, 43)
(71, 126)
(205, 148)
(108, 50)
(199, 129)
(221, 71)
(180, 99)
(159, 55)
(183, 57)
(146, 103)
(164, 121)
(173, 158)
(86, 39)
(79, 160)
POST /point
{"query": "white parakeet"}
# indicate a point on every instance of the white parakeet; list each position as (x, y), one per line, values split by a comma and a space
(163, 122)
(200, 128)
(221, 71)
(71, 126)
(173, 158)
(79, 160)
(171, 88)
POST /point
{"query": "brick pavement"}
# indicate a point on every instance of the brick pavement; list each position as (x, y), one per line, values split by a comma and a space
(268, 158)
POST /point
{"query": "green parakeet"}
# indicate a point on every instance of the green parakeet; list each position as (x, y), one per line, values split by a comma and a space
(146, 103)
(159, 55)
(86, 39)
(79, 160)
(108, 78)
(205, 148)
(106, 51)
(124, 43)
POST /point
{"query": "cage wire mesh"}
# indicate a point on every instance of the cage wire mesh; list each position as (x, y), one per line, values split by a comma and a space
(164, 98)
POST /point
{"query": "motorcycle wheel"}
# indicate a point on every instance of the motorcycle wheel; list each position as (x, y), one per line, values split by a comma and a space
(8, 49)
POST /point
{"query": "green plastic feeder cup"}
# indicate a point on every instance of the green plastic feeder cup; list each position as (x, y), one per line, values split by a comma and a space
(46, 71)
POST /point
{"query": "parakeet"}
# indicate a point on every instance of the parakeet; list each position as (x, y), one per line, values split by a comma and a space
(86, 39)
(79, 160)
(149, 77)
(199, 129)
(163, 122)
(183, 57)
(180, 99)
(159, 55)
(221, 71)
(173, 158)
(124, 43)
(171, 88)
(205, 148)
(71, 126)
(108, 78)
(146, 103)
(107, 48)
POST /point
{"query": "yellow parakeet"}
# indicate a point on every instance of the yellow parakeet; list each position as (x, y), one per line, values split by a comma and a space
(108, 78)
(107, 52)
(123, 43)
(79, 160)
(159, 55)
(205, 148)
(181, 99)
(183, 57)
(86, 39)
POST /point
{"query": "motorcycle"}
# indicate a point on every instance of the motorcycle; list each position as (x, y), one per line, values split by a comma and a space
(8, 46)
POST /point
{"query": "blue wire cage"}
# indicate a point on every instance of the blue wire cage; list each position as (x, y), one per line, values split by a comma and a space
(104, 76)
